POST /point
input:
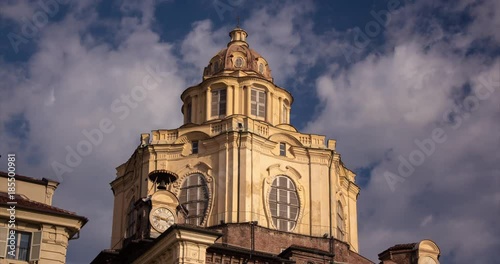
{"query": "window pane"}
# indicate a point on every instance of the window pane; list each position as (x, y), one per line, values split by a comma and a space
(24, 246)
(262, 112)
(274, 209)
(22, 242)
(294, 211)
(262, 97)
(273, 195)
(293, 199)
(283, 225)
(195, 147)
(283, 182)
(254, 108)
(215, 104)
(222, 106)
(283, 212)
(222, 95)
(282, 196)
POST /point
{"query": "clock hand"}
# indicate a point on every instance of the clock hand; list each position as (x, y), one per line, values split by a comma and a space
(165, 219)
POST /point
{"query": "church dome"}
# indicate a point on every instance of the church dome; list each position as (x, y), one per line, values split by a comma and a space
(238, 59)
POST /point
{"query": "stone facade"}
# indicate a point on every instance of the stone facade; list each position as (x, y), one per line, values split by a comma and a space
(239, 183)
(45, 229)
(239, 154)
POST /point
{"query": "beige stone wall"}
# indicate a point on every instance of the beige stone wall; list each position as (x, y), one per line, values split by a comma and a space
(54, 242)
(307, 163)
(239, 154)
(238, 98)
(34, 191)
(55, 233)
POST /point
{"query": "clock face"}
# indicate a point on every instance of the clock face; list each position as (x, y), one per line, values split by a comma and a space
(161, 219)
(427, 260)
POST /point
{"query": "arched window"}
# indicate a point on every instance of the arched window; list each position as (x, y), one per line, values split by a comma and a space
(194, 197)
(284, 203)
(284, 111)
(258, 102)
(340, 222)
(131, 215)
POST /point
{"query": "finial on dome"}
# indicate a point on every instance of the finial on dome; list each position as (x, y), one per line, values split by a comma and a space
(238, 36)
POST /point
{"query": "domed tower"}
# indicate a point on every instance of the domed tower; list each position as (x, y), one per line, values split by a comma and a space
(236, 159)
(237, 81)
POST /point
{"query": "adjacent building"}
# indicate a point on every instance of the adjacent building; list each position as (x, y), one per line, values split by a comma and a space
(31, 229)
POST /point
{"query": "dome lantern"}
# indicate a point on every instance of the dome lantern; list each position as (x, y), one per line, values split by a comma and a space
(238, 58)
(238, 36)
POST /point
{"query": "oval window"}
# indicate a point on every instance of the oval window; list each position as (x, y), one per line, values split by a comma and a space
(261, 68)
(194, 197)
(284, 203)
(239, 62)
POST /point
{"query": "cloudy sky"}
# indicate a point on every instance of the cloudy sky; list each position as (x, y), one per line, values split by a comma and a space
(411, 91)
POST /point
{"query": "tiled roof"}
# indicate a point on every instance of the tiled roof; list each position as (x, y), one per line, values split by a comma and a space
(403, 246)
(306, 249)
(408, 246)
(37, 206)
(42, 181)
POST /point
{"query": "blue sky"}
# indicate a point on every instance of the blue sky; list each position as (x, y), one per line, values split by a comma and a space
(410, 89)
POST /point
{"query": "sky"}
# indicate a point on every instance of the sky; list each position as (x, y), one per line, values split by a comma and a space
(409, 89)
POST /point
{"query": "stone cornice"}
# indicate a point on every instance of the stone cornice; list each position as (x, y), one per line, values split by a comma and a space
(73, 223)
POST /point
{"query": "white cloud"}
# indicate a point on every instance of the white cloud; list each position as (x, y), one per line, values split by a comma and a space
(379, 106)
(68, 86)
(17, 10)
(376, 108)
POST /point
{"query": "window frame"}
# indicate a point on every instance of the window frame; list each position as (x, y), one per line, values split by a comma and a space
(194, 147)
(239, 62)
(201, 200)
(284, 114)
(340, 222)
(276, 205)
(219, 104)
(131, 219)
(282, 149)
(255, 100)
(18, 239)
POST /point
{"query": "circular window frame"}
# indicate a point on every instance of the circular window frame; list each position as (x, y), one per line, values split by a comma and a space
(239, 62)
(261, 68)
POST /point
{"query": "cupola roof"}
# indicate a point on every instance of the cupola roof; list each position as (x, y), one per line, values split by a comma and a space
(238, 59)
